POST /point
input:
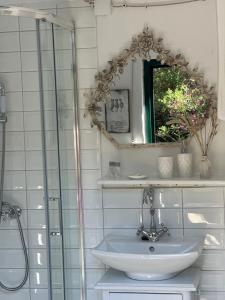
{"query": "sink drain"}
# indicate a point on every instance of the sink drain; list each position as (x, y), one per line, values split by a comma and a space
(151, 249)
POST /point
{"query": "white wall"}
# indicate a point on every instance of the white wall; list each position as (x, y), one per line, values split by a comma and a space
(191, 29)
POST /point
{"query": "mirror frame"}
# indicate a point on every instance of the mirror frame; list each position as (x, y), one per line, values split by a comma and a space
(140, 46)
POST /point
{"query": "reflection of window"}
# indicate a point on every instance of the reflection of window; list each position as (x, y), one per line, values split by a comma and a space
(151, 118)
(159, 80)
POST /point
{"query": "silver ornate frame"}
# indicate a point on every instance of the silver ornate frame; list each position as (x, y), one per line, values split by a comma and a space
(140, 47)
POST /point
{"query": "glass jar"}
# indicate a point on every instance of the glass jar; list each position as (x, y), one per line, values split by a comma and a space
(205, 167)
(114, 169)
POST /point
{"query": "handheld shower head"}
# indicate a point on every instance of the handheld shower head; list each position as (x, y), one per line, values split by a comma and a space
(2, 103)
(2, 89)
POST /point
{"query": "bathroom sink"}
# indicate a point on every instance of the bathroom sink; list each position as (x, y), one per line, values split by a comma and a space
(144, 260)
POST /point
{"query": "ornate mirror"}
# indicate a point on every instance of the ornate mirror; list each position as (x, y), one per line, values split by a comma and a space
(148, 96)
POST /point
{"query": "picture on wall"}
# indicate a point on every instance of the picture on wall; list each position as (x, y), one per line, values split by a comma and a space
(117, 112)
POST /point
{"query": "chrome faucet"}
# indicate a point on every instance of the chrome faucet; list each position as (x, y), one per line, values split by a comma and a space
(152, 234)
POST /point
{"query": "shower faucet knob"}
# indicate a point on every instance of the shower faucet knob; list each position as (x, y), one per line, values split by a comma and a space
(10, 211)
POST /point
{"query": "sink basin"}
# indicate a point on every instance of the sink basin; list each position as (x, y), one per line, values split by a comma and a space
(144, 260)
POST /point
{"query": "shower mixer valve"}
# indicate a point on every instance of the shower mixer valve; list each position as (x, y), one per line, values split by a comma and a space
(9, 211)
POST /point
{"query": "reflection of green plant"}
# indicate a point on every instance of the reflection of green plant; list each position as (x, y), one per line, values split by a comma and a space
(177, 105)
(166, 80)
(184, 100)
(171, 132)
(182, 110)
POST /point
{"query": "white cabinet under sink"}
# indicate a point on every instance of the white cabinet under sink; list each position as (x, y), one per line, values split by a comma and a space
(115, 285)
(144, 296)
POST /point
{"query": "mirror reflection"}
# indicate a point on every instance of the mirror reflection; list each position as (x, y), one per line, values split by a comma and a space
(145, 101)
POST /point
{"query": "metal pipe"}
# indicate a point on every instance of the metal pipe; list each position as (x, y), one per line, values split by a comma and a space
(60, 207)
(2, 167)
(147, 4)
(76, 133)
(44, 158)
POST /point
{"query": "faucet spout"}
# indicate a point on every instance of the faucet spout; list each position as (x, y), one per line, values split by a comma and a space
(152, 220)
(152, 234)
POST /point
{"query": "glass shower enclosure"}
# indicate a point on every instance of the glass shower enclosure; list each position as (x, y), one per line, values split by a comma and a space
(51, 131)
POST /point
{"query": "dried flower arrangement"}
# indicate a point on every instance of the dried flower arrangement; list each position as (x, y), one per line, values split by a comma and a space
(190, 112)
(141, 45)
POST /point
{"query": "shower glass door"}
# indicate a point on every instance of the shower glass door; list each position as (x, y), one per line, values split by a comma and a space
(51, 160)
(57, 85)
(63, 51)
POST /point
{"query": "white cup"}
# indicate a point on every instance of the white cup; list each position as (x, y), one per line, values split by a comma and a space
(165, 166)
(184, 163)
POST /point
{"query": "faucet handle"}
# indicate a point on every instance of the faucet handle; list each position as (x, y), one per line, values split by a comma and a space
(164, 228)
(140, 230)
(152, 211)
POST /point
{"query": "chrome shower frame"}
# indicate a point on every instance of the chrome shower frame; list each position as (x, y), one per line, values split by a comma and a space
(68, 25)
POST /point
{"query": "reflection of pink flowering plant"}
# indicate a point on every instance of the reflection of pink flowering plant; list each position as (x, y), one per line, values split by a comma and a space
(189, 111)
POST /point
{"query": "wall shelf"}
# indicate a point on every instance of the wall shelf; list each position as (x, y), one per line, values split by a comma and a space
(157, 182)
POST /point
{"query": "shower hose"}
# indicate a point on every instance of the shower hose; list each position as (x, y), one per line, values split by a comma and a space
(16, 215)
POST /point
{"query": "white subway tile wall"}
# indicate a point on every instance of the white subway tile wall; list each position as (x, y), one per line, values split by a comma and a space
(24, 177)
(188, 212)
(21, 185)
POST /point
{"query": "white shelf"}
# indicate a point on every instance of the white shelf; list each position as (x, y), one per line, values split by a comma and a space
(157, 182)
(114, 280)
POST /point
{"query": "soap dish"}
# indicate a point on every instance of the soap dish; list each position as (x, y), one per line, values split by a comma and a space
(137, 176)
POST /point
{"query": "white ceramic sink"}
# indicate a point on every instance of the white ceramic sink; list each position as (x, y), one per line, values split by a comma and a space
(144, 260)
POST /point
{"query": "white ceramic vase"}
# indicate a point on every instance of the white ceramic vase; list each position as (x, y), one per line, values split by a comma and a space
(165, 166)
(184, 164)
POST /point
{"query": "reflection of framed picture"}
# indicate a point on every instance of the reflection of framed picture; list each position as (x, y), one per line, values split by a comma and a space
(117, 112)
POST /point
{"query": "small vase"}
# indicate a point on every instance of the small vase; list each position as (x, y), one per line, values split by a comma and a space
(184, 163)
(165, 166)
(205, 167)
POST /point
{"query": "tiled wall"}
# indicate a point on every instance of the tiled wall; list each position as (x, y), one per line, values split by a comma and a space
(188, 211)
(24, 175)
(90, 140)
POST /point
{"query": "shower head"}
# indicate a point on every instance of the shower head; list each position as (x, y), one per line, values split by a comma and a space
(2, 89)
(3, 117)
